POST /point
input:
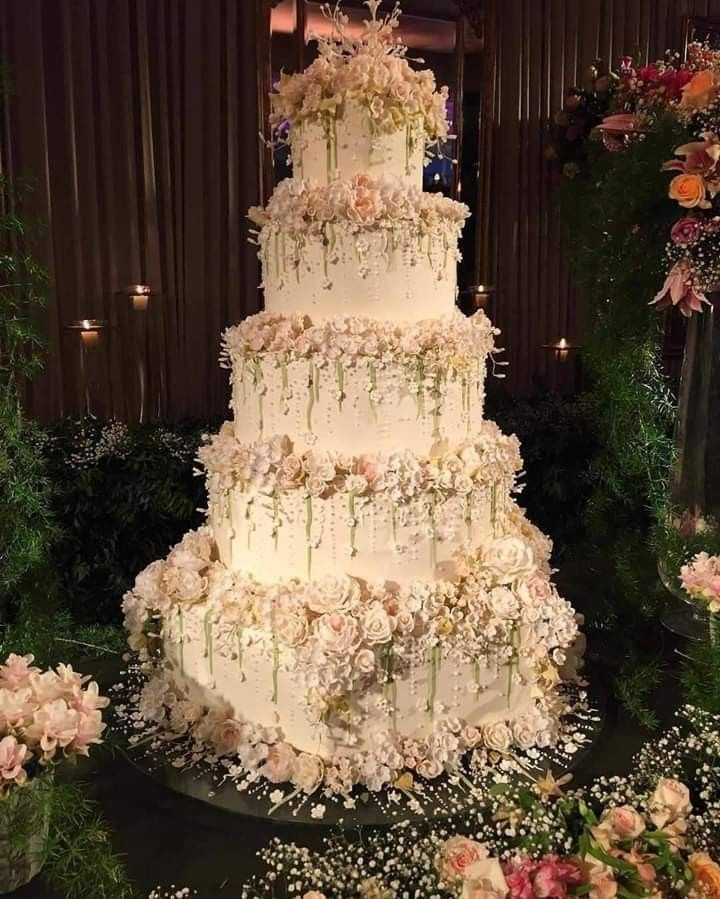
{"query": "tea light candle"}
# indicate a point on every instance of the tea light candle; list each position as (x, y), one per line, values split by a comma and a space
(89, 330)
(561, 348)
(139, 296)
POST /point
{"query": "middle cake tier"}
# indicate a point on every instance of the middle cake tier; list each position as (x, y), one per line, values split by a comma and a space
(279, 511)
(354, 384)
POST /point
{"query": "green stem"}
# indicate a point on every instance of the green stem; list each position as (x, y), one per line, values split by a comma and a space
(308, 532)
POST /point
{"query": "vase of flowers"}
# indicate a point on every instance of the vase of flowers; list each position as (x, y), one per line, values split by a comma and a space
(692, 525)
(46, 718)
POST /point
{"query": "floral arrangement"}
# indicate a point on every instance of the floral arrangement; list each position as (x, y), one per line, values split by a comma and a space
(448, 343)
(371, 69)
(363, 202)
(45, 717)
(652, 833)
(272, 466)
(340, 634)
(700, 579)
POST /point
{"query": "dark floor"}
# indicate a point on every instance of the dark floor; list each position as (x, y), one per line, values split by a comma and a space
(171, 839)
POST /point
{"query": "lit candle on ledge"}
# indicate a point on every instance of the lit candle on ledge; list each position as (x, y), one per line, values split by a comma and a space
(89, 330)
(479, 296)
(139, 296)
(561, 348)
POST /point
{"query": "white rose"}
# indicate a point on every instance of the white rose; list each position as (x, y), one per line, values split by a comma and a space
(364, 662)
(183, 585)
(497, 736)
(336, 632)
(376, 624)
(471, 736)
(430, 768)
(280, 763)
(332, 594)
(148, 584)
(291, 627)
(508, 558)
(308, 772)
(504, 603)
(524, 731)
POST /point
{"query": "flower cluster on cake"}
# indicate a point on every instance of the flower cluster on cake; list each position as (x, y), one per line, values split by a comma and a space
(366, 599)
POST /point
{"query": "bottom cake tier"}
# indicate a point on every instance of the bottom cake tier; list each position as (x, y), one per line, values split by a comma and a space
(360, 681)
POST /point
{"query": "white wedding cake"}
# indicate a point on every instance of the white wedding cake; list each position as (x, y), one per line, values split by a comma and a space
(367, 598)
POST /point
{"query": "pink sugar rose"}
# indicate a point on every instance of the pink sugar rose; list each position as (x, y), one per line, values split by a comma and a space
(280, 763)
(13, 756)
(16, 670)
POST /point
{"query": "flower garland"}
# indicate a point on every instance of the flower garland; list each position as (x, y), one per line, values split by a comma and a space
(449, 343)
(372, 69)
(45, 717)
(272, 466)
(648, 834)
(363, 202)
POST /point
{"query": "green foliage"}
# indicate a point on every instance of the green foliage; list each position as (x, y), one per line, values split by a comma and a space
(701, 675)
(81, 861)
(558, 442)
(121, 496)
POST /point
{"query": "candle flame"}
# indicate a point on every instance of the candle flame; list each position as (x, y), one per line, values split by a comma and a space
(86, 324)
(562, 344)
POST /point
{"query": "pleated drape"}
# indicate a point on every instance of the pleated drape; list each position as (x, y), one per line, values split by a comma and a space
(544, 46)
(137, 120)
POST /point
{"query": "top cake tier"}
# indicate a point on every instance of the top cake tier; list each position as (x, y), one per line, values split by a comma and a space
(359, 108)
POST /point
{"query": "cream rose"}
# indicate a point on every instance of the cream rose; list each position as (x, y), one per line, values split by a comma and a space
(183, 585)
(226, 736)
(332, 594)
(336, 632)
(497, 736)
(671, 800)
(484, 879)
(457, 856)
(364, 662)
(376, 624)
(280, 763)
(508, 559)
(308, 772)
(620, 823)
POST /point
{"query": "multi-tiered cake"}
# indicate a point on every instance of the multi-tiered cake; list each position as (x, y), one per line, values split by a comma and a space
(366, 598)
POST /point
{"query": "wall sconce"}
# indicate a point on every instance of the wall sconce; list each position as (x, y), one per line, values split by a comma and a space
(139, 324)
(90, 331)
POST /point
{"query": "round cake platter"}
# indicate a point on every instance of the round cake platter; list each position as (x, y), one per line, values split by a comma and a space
(180, 769)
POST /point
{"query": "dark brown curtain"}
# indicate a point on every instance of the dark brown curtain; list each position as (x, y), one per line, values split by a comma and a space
(543, 46)
(137, 120)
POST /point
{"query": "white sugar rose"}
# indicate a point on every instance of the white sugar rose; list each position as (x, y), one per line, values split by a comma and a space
(149, 583)
(193, 552)
(279, 764)
(471, 736)
(290, 626)
(497, 736)
(336, 632)
(430, 768)
(364, 662)
(376, 624)
(504, 603)
(183, 585)
(332, 594)
(308, 772)
(508, 559)
(524, 731)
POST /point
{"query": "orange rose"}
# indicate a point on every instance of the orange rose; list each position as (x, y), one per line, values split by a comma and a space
(700, 90)
(707, 875)
(688, 190)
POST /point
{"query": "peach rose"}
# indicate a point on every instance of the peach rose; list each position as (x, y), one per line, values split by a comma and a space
(280, 762)
(688, 190)
(700, 90)
(620, 823)
(458, 855)
(707, 875)
(671, 800)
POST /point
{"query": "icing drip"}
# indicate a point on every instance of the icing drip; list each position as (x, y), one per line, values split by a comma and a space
(432, 680)
(207, 621)
(308, 532)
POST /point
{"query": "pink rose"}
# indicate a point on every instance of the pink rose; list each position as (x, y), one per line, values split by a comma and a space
(620, 823)
(336, 632)
(685, 231)
(457, 855)
(280, 763)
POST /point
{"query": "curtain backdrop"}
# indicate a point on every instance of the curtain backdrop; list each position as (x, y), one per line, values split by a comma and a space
(543, 46)
(137, 120)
